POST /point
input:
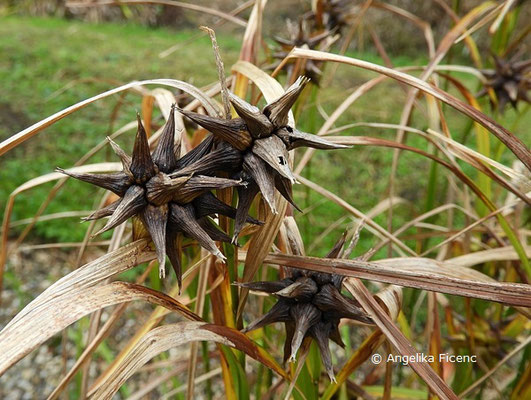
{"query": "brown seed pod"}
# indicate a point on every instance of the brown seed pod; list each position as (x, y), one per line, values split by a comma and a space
(309, 304)
(263, 139)
(510, 80)
(168, 194)
(300, 36)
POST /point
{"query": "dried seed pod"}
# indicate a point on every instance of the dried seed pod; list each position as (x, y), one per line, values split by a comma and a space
(300, 36)
(160, 189)
(263, 139)
(510, 80)
(333, 15)
(310, 304)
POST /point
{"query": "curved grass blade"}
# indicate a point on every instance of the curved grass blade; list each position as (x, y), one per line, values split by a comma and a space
(518, 148)
(166, 337)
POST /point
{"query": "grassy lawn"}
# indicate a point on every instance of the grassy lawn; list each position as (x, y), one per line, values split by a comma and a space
(49, 64)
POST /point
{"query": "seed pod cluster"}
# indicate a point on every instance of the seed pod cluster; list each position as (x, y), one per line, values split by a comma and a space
(300, 36)
(172, 196)
(510, 80)
(169, 195)
(310, 304)
(332, 15)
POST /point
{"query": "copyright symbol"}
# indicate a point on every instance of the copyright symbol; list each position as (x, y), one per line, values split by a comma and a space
(376, 359)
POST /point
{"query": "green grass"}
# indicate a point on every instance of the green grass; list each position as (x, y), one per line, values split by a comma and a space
(42, 56)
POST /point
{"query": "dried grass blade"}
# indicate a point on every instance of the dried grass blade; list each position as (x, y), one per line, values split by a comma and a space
(31, 131)
(52, 316)
(393, 334)
(510, 140)
(418, 273)
(165, 337)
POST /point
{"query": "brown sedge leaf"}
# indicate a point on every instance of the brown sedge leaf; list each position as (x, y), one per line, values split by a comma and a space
(418, 273)
(27, 133)
(395, 336)
(512, 142)
(168, 336)
(41, 323)
(153, 320)
(95, 341)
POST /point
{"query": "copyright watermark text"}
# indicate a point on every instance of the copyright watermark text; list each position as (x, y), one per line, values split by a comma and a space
(420, 357)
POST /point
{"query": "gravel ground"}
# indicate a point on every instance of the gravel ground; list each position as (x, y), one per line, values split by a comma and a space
(36, 375)
(39, 371)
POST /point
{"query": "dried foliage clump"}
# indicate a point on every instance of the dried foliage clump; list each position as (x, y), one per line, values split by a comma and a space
(446, 264)
(510, 80)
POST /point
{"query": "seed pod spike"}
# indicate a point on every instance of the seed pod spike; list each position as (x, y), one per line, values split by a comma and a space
(124, 157)
(320, 333)
(330, 300)
(103, 212)
(184, 219)
(512, 91)
(164, 154)
(142, 165)
(277, 111)
(273, 151)
(302, 289)
(290, 331)
(338, 246)
(116, 182)
(265, 286)
(335, 335)
(245, 199)
(213, 231)
(224, 158)
(284, 186)
(197, 185)
(207, 204)
(278, 313)
(304, 316)
(257, 123)
(155, 219)
(161, 188)
(132, 203)
(173, 251)
(233, 131)
(264, 178)
(294, 138)
(196, 153)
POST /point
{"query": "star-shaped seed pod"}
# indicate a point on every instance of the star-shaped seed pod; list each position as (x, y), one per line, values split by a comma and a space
(310, 304)
(168, 194)
(299, 36)
(510, 80)
(263, 137)
(333, 15)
